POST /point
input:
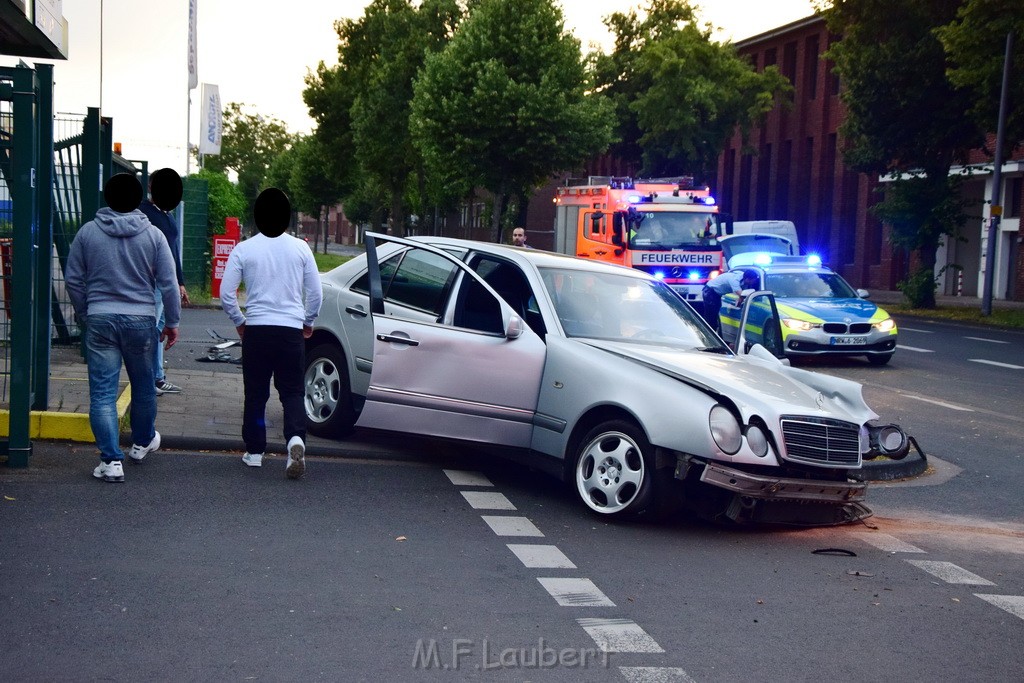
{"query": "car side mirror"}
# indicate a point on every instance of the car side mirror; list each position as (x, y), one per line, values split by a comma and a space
(514, 327)
(863, 294)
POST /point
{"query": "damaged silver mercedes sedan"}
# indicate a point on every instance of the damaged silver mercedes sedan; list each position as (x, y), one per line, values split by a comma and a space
(602, 374)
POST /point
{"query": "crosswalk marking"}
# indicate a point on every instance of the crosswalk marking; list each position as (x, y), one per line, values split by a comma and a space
(654, 674)
(466, 478)
(996, 363)
(886, 542)
(1014, 604)
(575, 592)
(950, 573)
(512, 526)
(487, 500)
(541, 556)
(619, 635)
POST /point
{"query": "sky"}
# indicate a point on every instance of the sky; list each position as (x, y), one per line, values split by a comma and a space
(129, 58)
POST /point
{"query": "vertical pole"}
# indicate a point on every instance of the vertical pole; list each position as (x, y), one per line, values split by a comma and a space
(23, 165)
(44, 263)
(996, 209)
(91, 174)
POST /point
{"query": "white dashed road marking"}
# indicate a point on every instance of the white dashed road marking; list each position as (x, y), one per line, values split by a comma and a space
(575, 592)
(541, 556)
(1014, 604)
(886, 542)
(619, 635)
(913, 348)
(915, 329)
(464, 478)
(488, 500)
(512, 526)
(997, 364)
(939, 403)
(654, 674)
(990, 341)
(950, 573)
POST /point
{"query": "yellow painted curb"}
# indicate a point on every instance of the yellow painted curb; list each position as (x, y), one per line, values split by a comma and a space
(48, 424)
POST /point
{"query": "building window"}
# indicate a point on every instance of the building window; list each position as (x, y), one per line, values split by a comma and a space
(789, 62)
(1013, 190)
(782, 179)
(771, 57)
(811, 67)
(764, 174)
(743, 202)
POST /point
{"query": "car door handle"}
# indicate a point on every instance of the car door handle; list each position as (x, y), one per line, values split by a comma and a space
(355, 311)
(397, 340)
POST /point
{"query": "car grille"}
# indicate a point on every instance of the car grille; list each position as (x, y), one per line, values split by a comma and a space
(843, 328)
(821, 441)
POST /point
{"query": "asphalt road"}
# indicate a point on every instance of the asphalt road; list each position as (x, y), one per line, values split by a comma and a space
(201, 569)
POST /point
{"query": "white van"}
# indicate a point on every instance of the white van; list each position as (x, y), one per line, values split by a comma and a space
(782, 228)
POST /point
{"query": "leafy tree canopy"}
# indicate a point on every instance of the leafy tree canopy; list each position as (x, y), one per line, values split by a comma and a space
(225, 199)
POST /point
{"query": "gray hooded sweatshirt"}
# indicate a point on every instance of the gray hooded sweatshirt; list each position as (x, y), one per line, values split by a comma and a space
(116, 261)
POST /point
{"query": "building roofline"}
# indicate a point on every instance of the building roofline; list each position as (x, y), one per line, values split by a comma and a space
(781, 30)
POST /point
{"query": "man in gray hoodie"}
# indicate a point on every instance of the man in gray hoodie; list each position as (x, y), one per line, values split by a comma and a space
(115, 263)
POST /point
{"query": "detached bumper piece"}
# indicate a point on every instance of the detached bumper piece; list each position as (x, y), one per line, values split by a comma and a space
(760, 487)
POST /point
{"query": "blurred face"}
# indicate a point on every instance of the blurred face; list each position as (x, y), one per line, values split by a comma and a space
(519, 237)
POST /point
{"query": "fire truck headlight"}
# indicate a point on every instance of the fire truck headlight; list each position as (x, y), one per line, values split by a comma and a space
(710, 201)
(713, 274)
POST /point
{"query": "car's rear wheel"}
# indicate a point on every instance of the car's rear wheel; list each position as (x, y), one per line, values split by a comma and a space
(328, 394)
(614, 471)
(876, 359)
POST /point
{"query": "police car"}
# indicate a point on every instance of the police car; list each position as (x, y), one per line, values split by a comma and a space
(821, 314)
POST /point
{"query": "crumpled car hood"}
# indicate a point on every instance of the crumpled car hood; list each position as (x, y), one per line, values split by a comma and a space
(756, 382)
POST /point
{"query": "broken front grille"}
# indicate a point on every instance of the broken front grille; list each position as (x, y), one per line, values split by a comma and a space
(821, 441)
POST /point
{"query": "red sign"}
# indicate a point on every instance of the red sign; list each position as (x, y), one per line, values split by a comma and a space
(222, 246)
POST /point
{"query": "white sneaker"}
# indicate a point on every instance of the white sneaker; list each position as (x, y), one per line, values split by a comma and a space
(137, 452)
(109, 471)
(253, 459)
(296, 465)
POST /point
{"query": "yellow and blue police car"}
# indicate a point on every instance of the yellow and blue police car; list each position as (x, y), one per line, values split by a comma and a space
(819, 312)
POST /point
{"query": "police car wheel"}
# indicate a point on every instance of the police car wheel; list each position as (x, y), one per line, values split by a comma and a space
(880, 359)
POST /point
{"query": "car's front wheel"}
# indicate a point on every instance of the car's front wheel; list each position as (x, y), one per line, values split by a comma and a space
(880, 359)
(328, 398)
(614, 471)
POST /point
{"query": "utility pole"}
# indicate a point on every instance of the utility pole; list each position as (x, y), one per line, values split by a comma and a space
(996, 209)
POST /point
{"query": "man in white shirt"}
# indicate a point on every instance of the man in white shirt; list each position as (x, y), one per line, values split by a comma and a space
(283, 295)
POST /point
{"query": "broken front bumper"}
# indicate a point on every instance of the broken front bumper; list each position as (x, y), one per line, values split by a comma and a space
(761, 487)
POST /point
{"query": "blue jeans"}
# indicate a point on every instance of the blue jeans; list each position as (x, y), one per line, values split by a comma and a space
(109, 340)
(158, 350)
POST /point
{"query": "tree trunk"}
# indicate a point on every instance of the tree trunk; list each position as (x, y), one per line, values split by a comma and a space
(316, 237)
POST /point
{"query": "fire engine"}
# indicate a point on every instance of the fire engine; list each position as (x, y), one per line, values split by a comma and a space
(668, 227)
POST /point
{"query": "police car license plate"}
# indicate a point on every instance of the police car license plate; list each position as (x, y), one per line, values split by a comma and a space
(848, 341)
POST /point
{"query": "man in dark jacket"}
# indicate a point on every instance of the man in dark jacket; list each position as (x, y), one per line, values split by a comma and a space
(165, 190)
(116, 262)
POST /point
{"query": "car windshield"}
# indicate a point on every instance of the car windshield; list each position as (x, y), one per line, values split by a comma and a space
(746, 244)
(623, 308)
(673, 229)
(809, 286)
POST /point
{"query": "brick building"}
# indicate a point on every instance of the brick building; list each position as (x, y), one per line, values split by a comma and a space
(796, 173)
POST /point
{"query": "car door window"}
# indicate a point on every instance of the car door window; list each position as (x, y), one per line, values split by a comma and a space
(419, 280)
(509, 281)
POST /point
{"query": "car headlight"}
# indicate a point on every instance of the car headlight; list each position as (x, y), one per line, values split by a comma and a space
(725, 429)
(757, 440)
(797, 325)
(886, 325)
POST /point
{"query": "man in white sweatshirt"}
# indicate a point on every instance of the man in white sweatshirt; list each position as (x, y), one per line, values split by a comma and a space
(283, 294)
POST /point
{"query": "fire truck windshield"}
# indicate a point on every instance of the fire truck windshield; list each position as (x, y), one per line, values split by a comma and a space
(672, 229)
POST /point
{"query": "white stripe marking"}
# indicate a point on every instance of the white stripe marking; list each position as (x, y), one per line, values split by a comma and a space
(913, 348)
(466, 478)
(541, 556)
(511, 526)
(950, 573)
(619, 635)
(916, 329)
(886, 542)
(487, 500)
(1014, 604)
(575, 592)
(990, 341)
(997, 364)
(940, 403)
(654, 674)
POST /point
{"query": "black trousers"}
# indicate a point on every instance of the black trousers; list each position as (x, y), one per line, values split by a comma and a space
(278, 352)
(712, 304)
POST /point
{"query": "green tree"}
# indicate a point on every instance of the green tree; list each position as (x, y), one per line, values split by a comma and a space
(976, 45)
(312, 186)
(249, 144)
(225, 199)
(504, 105)
(904, 117)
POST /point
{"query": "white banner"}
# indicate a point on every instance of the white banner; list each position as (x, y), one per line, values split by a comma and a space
(212, 124)
(193, 69)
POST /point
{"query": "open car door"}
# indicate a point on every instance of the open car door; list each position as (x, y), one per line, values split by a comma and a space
(471, 372)
(760, 324)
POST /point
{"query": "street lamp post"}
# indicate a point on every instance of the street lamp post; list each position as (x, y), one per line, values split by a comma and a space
(996, 209)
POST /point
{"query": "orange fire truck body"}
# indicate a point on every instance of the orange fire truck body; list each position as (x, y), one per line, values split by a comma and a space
(668, 227)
